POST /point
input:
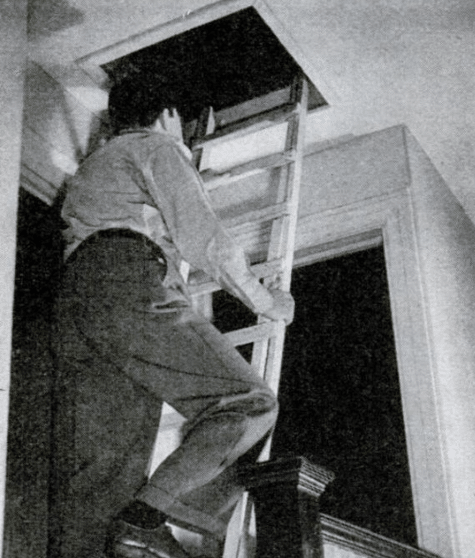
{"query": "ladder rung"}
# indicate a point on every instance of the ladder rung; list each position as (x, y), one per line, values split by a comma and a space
(243, 222)
(261, 270)
(252, 334)
(247, 126)
(250, 168)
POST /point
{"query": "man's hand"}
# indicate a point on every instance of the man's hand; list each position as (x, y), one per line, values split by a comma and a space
(214, 179)
(171, 122)
(283, 308)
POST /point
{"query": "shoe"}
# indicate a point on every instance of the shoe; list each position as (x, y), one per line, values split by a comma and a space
(128, 541)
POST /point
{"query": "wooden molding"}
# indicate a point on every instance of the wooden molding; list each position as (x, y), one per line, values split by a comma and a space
(364, 542)
(33, 183)
(307, 477)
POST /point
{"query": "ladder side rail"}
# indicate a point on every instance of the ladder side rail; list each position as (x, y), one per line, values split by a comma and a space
(282, 241)
(268, 336)
(290, 190)
(289, 225)
(267, 355)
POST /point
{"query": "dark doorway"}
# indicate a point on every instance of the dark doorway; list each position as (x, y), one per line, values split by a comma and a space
(340, 396)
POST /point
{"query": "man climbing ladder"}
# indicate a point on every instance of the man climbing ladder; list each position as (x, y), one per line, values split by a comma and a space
(126, 339)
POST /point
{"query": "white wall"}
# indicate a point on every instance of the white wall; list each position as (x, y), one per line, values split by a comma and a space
(446, 241)
(58, 132)
(12, 65)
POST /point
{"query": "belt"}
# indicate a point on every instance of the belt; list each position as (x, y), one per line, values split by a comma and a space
(156, 251)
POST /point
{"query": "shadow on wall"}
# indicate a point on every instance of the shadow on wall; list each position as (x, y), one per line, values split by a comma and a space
(48, 16)
(37, 273)
(59, 131)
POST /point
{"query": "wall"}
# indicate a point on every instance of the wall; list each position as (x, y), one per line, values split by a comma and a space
(446, 241)
(12, 64)
(38, 259)
(58, 132)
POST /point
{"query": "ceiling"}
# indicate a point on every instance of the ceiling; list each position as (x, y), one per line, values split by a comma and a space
(386, 62)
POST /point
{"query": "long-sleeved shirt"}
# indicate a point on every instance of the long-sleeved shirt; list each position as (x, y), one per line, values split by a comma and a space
(144, 181)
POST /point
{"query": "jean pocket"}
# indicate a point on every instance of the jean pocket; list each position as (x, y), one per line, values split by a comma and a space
(171, 306)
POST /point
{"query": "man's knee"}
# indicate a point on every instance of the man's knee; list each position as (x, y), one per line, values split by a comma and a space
(263, 402)
(261, 409)
(259, 400)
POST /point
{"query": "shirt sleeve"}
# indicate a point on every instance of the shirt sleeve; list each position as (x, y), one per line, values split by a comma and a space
(177, 189)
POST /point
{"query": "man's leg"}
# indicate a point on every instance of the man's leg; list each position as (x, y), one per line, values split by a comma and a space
(105, 424)
(230, 409)
(173, 355)
(105, 428)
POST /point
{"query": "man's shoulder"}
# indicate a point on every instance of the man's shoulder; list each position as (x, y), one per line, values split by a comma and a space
(150, 142)
(130, 144)
(134, 147)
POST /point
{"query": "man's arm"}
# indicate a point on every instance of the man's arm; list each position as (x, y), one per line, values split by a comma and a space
(201, 239)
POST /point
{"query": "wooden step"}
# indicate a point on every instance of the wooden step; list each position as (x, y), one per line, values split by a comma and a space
(245, 170)
(247, 335)
(247, 220)
(248, 126)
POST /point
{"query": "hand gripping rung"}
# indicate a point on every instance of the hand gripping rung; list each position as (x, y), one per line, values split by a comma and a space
(261, 270)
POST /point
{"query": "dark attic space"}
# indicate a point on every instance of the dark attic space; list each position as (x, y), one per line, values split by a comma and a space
(339, 392)
(221, 64)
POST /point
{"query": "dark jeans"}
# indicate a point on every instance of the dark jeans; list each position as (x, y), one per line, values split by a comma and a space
(125, 342)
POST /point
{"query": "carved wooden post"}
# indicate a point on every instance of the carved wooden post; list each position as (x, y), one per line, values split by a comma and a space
(286, 495)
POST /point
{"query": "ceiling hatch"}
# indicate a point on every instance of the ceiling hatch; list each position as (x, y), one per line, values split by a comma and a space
(224, 63)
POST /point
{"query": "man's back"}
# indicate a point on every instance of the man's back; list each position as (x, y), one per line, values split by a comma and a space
(110, 189)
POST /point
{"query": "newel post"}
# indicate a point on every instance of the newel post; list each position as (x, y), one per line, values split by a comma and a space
(286, 495)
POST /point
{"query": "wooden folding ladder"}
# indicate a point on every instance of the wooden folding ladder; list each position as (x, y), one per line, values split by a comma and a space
(267, 336)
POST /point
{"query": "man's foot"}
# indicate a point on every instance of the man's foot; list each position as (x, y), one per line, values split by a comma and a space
(127, 541)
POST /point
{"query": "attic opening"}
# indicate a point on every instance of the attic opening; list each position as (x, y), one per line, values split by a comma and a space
(224, 63)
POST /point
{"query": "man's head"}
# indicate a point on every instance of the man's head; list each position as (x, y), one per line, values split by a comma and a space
(136, 103)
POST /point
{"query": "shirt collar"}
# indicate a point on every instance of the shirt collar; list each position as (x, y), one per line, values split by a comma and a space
(184, 149)
(135, 131)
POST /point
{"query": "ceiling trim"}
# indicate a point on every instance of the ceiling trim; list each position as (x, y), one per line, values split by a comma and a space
(164, 31)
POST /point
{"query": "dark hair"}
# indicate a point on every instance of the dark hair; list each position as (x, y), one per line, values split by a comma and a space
(137, 103)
